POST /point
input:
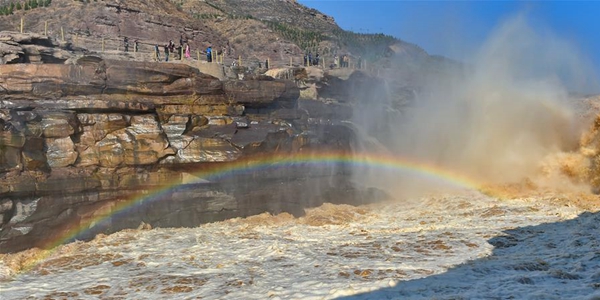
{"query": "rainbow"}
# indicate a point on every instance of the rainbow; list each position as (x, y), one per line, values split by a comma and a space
(216, 171)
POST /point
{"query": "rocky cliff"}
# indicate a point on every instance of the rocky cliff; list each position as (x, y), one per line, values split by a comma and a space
(80, 135)
(250, 29)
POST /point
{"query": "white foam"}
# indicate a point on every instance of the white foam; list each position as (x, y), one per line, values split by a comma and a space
(435, 246)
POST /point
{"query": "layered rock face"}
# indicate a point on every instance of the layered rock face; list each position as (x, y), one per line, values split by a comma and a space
(78, 141)
(32, 48)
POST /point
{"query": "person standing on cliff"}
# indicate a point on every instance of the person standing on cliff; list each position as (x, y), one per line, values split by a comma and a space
(178, 50)
(187, 51)
(156, 52)
(166, 52)
(126, 44)
(209, 54)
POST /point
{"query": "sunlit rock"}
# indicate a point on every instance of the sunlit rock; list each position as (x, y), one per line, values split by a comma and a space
(60, 152)
(59, 124)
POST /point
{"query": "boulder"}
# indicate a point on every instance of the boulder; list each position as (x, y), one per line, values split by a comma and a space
(60, 152)
(59, 124)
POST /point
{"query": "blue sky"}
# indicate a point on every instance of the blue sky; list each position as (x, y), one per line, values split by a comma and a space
(458, 28)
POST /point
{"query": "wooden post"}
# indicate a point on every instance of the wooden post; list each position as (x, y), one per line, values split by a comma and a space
(240, 60)
(269, 62)
(46, 28)
(198, 54)
(21, 24)
(181, 52)
(62, 34)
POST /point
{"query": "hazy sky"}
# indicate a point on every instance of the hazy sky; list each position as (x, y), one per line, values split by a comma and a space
(457, 28)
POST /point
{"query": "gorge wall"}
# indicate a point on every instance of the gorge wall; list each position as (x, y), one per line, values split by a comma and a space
(80, 135)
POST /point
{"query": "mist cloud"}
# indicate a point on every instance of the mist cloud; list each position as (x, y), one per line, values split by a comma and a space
(501, 115)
